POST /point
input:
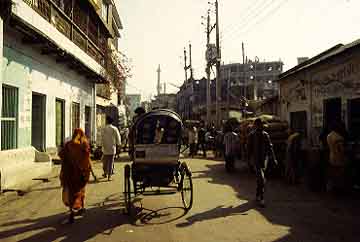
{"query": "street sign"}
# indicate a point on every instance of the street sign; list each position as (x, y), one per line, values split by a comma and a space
(211, 53)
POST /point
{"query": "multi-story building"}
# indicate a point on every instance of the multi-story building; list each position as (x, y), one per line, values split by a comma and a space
(53, 54)
(253, 80)
(110, 100)
(165, 101)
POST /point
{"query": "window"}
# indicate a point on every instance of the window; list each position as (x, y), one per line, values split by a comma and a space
(9, 118)
(75, 109)
(59, 122)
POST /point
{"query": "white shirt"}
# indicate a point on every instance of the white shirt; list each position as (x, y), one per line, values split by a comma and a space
(110, 138)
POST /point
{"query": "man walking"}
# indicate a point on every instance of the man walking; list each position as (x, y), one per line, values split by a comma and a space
(110, 142)
(231, 139)
(259, 150)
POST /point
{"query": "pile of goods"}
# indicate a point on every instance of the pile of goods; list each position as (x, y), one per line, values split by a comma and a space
(277, 130)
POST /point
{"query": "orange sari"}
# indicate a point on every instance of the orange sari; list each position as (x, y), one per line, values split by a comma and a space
(75, 170)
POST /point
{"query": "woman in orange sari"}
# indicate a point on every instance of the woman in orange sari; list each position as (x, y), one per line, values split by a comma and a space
(75, 172)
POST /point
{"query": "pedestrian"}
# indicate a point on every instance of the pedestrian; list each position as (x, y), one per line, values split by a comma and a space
(231, 140)
(201, 141)
(111, 141)
(193, 140)
(219, 143)
(125, 137)
(260, 151)
(293, 157)
(75, 172)
(336, 168)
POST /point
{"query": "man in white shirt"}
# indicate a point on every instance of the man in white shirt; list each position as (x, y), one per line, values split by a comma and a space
(110, 141)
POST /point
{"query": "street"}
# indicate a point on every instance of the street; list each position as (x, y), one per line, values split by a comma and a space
(223, 210)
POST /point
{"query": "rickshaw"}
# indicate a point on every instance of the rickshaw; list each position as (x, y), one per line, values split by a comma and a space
(156, 150)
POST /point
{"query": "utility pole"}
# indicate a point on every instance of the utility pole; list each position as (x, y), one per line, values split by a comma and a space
(228, 93)
(190, 65)
(158, 81)
(218, 61)
(185, 66)
(244, 77)
(208, 66)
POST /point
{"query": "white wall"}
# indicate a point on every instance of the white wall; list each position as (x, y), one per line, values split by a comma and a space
(30, 71)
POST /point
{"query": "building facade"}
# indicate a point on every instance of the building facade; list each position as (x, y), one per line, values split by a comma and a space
(239, 83)
(164, 101)
(53, 55)
(323, 89)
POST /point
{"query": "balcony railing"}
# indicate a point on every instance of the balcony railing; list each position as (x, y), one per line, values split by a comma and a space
(73, 21)
(103, 90)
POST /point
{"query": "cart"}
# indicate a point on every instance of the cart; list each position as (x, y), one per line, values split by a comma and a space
(156, 168)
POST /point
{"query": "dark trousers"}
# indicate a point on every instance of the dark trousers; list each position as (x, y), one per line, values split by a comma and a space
(260, 180)
(192, 149)
(229, 163)
(202, 146)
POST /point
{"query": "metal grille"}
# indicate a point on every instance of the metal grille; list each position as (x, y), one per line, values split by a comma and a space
(9, 118)
(59, 122)
(75, 115)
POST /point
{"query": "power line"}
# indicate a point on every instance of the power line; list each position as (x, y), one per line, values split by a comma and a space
(268, 15)
(247, 23)
(251, 9)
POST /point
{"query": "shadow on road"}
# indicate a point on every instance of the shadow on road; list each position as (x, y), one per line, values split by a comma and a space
(101, 219)
(160, 216)
(309, 216)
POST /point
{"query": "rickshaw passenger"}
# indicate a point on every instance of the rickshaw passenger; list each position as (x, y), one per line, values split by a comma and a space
(159, 133)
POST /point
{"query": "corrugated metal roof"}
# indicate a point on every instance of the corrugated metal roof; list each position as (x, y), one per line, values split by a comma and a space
(335, 50)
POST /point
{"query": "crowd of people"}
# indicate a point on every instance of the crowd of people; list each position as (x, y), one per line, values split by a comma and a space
(224, 144)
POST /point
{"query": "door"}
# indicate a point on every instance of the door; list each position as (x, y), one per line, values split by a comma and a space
(354, 118)
(332, 111)
(88, 122)
(38, 115)
(60, 122)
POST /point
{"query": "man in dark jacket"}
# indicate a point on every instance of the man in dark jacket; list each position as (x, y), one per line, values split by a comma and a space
(259, 151)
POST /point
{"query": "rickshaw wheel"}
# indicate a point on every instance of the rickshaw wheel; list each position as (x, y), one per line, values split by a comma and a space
(127, 192)
(186, 186)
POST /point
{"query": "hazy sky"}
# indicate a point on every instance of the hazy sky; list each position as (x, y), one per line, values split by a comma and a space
(156, 32)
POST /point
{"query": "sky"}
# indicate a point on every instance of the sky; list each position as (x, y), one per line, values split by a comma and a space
(156, 32)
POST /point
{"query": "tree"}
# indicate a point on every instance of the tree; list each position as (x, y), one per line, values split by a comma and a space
(118, 69)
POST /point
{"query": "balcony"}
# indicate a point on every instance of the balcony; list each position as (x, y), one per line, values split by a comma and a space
(78, 21)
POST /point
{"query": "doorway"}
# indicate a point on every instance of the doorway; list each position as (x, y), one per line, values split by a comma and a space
(38, 123)
(354, 118)
(60, 122)
(88, 122)
(332, 111)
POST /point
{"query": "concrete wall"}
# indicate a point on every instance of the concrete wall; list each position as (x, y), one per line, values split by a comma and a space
(25, 68)
(307, 90)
